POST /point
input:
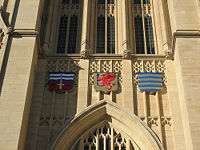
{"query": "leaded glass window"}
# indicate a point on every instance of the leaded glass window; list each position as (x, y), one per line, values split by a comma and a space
(105, 38)
(143, 25)
(70, 22)
(105, 138)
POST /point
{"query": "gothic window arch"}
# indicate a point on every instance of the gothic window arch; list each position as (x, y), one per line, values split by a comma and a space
(69, 27)
(105, 26)
(144, 30)
(104, 137)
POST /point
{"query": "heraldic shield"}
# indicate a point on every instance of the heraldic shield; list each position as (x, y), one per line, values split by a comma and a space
(150, 82)
(106, 82)
(61, 81)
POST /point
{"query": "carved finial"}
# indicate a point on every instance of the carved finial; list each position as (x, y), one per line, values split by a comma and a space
(84, 54)
(126, 54)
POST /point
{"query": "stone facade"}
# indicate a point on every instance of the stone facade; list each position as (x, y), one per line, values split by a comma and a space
(33, 118)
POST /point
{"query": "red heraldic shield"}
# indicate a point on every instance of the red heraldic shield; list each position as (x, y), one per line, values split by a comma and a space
(61, 82)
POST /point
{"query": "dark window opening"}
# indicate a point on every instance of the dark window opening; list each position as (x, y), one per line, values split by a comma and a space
(101, 144)
(111, 1)
(75, 1)
(137, 1)
(101, 1)
(100, 35)
(73, 34)
(149, 35)
(65, 1)
(146, 1)
(111, 35)
(62, 34)
(139, 36)
(108, 144)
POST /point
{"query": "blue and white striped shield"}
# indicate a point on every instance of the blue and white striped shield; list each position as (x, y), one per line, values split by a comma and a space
(150, 82)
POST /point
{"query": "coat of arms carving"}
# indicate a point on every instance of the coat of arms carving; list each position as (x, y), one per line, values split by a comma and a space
(106, 82)
(61, 81)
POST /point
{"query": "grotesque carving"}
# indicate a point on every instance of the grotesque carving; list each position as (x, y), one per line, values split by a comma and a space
(168, 54)
(126, 54)
(84, 54)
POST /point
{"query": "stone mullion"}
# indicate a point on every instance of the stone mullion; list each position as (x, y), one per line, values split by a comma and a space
(104, 141)
(154, 25)
(106, 26)
(112, 139)
(144, 30)
(92, 26)
(85, 27)
(48, 27)
(116, 28)
(133, 25)
(78, 37)
(97, 141)
(68, 27)
(165, 26)
(125, 30)
(130, 24)
(54, 28)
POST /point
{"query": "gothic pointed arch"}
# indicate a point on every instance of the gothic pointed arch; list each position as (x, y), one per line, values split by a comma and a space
(111, 116)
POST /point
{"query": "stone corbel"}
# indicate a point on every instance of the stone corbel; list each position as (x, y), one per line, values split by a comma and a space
(84, 50)
(126, 54)
(84, 54)
(168, 51)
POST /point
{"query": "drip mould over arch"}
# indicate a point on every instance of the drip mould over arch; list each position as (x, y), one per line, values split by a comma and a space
(94, 114)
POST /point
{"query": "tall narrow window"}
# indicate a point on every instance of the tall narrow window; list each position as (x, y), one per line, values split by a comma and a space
(144, 36)
(105, 42)
(62, 34)
(139, 35)
(72, 34)
(100, 35)
(111, 35)
(68, 28)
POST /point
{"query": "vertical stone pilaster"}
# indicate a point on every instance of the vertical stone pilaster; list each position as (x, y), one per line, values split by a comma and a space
(85, 30)
(125, 31)
(175, 107)
(82, 101)
(127, 85)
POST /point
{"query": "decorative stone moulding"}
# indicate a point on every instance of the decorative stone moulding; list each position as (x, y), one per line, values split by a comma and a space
(166, 121)
(105, 66)
(152, 121)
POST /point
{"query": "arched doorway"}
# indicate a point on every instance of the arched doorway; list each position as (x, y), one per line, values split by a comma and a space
(103, 126)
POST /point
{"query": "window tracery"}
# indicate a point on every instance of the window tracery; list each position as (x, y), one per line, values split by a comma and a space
(143, 25)
(69, 27)
(105, 24)
(104, 138)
